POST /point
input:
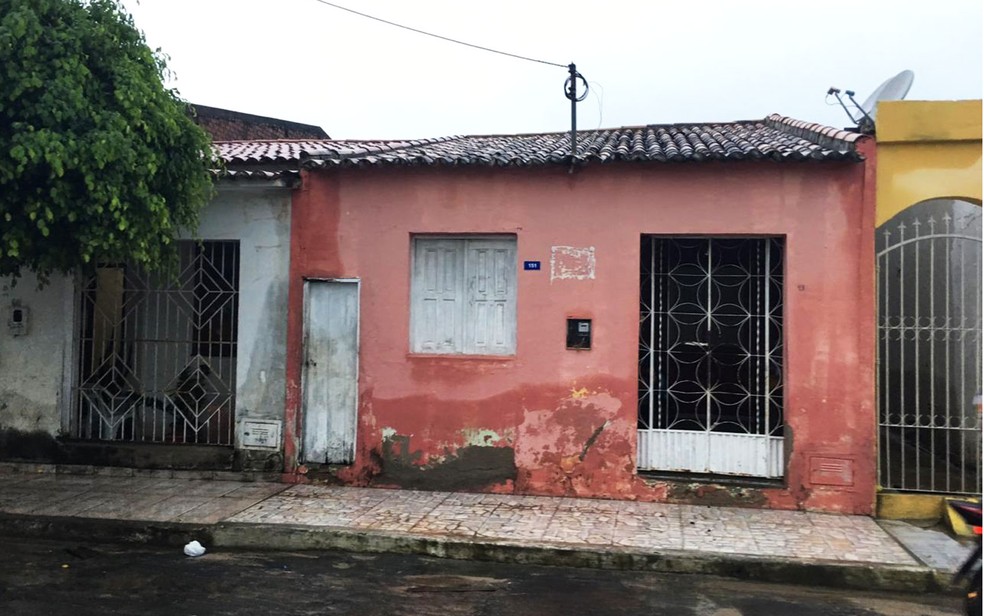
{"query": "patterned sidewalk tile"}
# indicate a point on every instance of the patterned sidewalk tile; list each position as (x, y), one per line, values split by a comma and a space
(352, 497)
(23, 501)
(155, 486)
(732, 537)
(215, 510)
(648, 530)
(254, 490)
(302, 510)
(588, 505)
(54, 481)
(72, 507)
(170, 508)
(457, 520)
(222, 488)
(129, 506)
(575, 526)
(400, 511)
(512, 519)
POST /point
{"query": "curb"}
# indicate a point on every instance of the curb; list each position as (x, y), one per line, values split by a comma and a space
(834, 574)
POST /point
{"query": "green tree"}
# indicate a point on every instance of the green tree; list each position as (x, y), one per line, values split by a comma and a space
(99, 161)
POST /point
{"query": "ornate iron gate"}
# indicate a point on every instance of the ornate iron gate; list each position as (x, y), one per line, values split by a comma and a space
(710, 356)
(157, 356)
(929, 348)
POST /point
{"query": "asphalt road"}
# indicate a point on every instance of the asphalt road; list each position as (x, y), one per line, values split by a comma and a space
(49, 578)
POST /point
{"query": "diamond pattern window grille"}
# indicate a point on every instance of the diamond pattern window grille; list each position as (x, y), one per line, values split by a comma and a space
(157, 355)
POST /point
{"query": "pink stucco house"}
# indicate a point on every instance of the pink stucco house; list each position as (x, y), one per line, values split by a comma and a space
(678, 313)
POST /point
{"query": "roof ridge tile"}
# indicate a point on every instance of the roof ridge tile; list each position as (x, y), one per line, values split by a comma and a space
(820, 134)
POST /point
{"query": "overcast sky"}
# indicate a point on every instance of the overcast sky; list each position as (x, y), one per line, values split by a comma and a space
(648, 62)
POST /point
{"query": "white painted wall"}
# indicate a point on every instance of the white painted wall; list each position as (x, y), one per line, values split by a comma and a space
(32, 366)
(260, 220)
(36, 369)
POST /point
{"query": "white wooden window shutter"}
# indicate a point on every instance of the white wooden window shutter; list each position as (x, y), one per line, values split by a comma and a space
(463, 296)
(490, 323)
(438, 287)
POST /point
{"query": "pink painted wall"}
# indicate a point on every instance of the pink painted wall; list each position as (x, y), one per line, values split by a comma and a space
(421, 417)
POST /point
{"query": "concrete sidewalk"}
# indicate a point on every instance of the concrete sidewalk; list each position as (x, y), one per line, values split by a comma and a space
(236, 510)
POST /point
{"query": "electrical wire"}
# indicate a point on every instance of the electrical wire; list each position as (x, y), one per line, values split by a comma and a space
(601, 100)
(438, 36)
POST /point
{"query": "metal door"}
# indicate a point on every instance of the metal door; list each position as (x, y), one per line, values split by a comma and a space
(710, 356)
(929, 348)
(330, 372)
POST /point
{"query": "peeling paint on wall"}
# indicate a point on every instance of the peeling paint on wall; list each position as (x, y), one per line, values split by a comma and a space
(716, 496)
(581, 447)
(577, 394)
(572, 263)
(481, 437)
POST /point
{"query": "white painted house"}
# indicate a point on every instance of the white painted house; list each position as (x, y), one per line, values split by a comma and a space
(122, 367)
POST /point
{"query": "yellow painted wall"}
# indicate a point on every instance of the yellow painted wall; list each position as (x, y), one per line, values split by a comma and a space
(927, 150)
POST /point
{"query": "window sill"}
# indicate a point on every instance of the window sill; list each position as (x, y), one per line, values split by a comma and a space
(658, 477)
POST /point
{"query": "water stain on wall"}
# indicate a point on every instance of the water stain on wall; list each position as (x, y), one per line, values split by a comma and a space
(472, 467)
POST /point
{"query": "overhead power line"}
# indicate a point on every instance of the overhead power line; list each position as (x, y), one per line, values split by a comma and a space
(438, 36)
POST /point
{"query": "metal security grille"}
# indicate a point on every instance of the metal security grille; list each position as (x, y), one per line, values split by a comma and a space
(929, 348)
(157, 356)
(710, 355)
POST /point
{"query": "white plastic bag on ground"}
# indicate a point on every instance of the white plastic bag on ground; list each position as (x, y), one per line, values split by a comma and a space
(194, 549)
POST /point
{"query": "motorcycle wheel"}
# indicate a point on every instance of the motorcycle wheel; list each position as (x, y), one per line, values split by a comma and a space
(973, 599)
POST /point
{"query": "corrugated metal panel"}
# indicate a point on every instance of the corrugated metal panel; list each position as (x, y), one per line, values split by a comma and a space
(711, 452)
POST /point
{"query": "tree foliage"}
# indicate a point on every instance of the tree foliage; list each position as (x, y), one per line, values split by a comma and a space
(99, 161)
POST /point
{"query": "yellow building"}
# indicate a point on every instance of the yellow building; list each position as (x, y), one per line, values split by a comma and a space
(927, 150)
(928, 251)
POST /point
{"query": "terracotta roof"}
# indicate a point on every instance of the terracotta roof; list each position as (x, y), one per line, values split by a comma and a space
(773, 138)
(253, 174)
(267, 152)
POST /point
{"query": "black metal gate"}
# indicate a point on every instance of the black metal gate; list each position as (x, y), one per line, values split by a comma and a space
(710, 356)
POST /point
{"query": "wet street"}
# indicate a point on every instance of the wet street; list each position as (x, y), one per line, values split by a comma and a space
(77, 578)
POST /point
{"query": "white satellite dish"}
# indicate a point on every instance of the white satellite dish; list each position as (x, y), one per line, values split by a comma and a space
(893, 89)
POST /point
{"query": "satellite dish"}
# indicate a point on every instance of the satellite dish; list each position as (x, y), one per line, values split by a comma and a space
(893, 89)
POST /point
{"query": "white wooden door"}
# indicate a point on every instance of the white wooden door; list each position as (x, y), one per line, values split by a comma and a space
(330, 372)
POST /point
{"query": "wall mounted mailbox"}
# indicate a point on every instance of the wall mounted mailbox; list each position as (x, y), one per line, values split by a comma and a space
(17, 322)
(578, 333)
